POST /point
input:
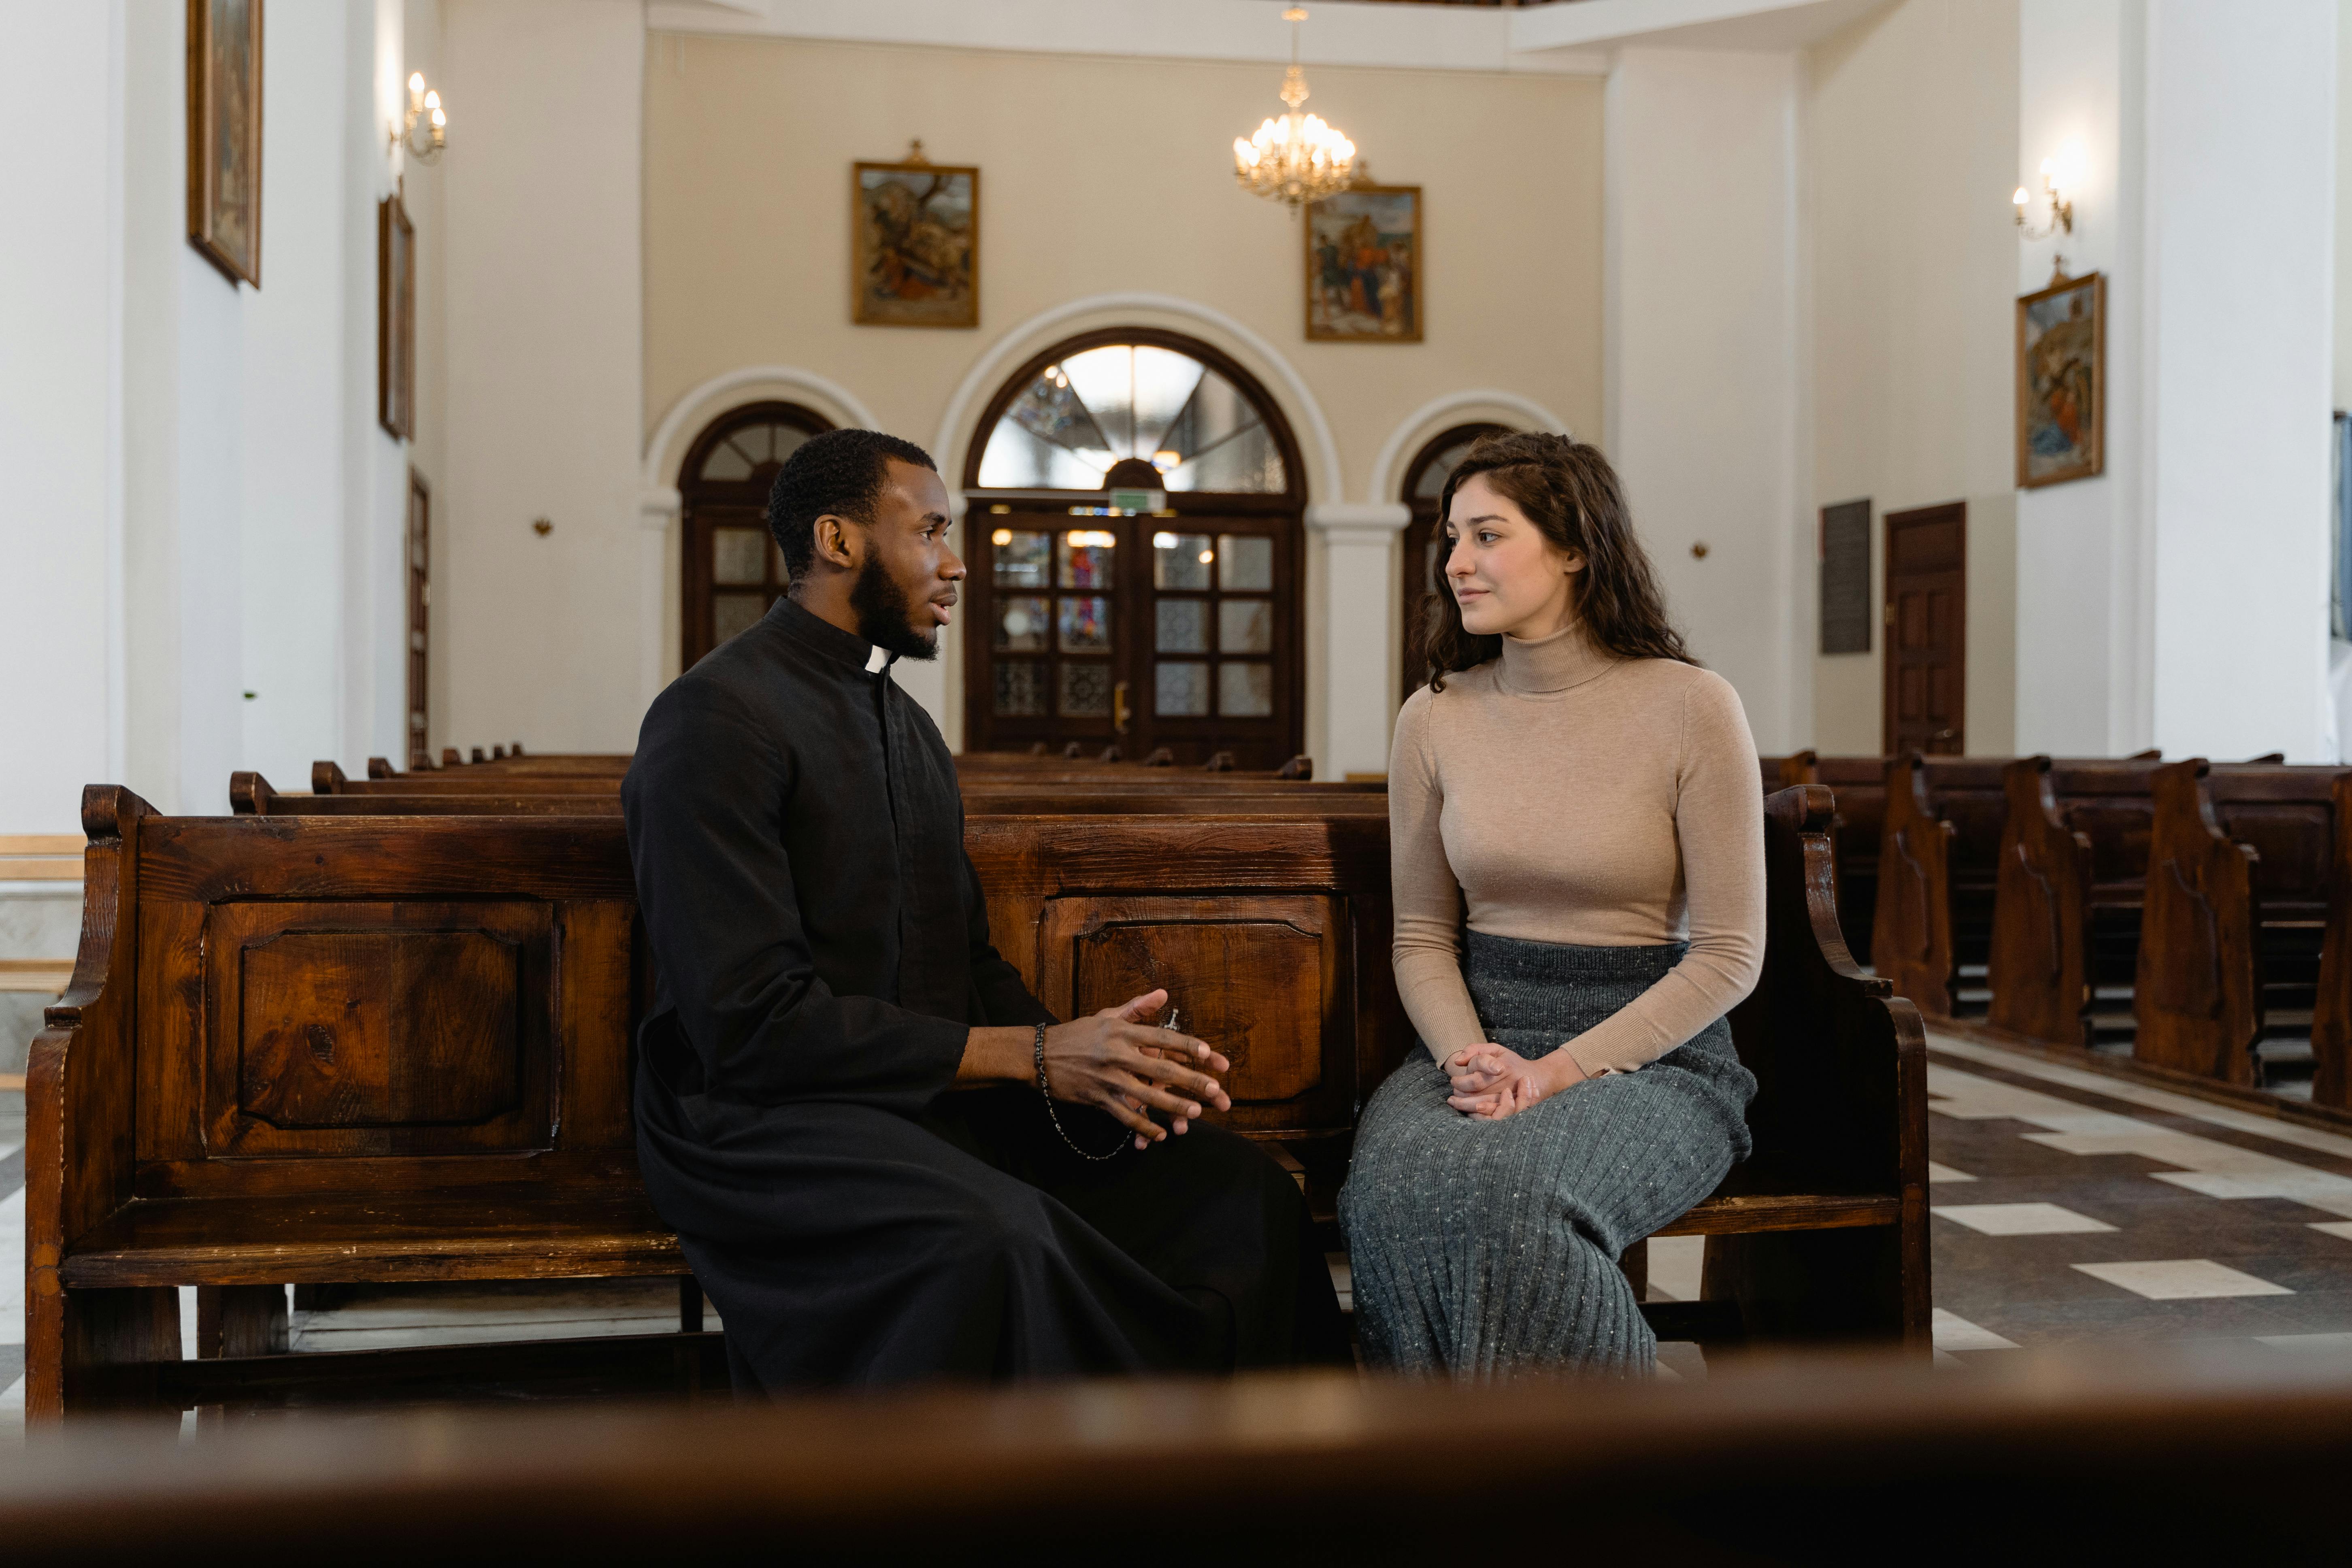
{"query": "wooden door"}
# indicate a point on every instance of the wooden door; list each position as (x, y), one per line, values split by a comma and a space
(1425, 487)
(729, 571)
(420, 608)
(1927, 613)
(1134, 631)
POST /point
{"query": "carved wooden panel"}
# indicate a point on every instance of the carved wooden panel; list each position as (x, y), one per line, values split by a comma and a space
(1911, 942)
(379, 1028)
(371, 1029)
(2039, 966)
(2196, 1004)
(1263, 978)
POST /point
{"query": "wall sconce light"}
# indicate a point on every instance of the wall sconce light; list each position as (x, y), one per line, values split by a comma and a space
(2058, 215)
(423, 111)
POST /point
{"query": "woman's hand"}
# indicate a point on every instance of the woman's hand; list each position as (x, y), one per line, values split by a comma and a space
(1491, 1081)
(1117, 1063)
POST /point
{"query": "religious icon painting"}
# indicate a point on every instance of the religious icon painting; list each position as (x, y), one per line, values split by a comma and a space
(2062, 373)
(1363, 266)
(225, 135)
(916, 228)
(395, 318)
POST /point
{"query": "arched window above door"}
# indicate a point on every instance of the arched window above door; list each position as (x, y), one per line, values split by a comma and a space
(1425, 487)
(730, 572)
(1078, 415)
(738, 454)
(1097, 618)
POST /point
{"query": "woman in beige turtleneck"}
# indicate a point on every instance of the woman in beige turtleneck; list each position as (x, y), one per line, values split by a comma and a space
(1577, 844)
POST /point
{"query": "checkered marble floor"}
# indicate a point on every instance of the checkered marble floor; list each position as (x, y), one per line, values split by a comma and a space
(2067, 1208)
(2070, 1206)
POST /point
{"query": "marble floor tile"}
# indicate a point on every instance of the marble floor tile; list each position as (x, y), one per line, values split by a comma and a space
(1953, 1332)
(1945, 1174)
(2270, 1129)
(2181, 1280)
(1677, 1263)
(2020, 1219)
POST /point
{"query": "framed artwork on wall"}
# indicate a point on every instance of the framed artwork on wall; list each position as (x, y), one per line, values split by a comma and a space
(915, 228)
(225, 135)
(395, 318)
(2062, 381)
(1363, 266)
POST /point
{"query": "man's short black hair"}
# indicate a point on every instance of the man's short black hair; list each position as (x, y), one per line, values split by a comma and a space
(841, 472)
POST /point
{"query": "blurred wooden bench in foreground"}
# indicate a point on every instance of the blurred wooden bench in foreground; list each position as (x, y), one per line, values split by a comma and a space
(1819, 1459)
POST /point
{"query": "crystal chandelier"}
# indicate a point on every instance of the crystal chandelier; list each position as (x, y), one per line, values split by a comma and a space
(1299, 158)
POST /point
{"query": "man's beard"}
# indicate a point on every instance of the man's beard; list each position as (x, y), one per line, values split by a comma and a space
(886, 615)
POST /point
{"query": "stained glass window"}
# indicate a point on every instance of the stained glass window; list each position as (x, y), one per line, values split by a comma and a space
(1091, 409)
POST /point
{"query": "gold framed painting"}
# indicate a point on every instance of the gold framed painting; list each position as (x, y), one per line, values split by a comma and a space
(395, 318)
(1363, 266)
(225, 135)
(2062, 382)
(916, 244)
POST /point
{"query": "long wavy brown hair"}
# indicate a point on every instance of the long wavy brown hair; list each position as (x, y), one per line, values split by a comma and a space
(1569, 490)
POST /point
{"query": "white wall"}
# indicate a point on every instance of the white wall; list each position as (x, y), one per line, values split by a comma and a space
(181, 450)
(60, 430)
(1702, 357)
(2078, 643)
(291, 477)
(2241, 291)
(543, 367)
(1911, 137)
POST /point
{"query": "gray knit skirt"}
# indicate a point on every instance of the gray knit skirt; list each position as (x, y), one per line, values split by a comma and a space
(1485, 1248)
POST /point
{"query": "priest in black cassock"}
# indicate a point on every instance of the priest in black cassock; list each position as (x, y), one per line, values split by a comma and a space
(839, 1101)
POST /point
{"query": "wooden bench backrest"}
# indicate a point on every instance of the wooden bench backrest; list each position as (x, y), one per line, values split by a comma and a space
(450, 1001)
(2288, 816)
(2234, 847)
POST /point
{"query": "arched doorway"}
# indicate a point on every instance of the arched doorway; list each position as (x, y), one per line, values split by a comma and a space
(1424, 486)
(730, 572)
(1135, 500)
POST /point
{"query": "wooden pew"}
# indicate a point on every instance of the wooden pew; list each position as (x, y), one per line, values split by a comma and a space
(328, 778)
(229, 1095)
(250, 794)
(1938, 861)
(1859, 784)
(1815, 1458)
(313, 1051)
(2245, 883)
(2066, 916)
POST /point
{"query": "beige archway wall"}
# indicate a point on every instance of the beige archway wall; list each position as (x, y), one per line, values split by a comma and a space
(661, 566)
(958, 431)
(748, 143)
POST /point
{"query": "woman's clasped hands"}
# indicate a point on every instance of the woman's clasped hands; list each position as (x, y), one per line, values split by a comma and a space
(1491, 1081)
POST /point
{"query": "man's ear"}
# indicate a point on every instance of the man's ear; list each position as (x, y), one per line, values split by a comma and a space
(832, 540)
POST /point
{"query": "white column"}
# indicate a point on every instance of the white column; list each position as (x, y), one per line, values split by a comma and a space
(2077, 644)
(2240, 294)
(60, 413)
(543, 365)
(1359, 539)
(1702, 390)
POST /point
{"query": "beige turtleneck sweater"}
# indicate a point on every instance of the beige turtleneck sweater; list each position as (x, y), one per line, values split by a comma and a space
(1560, 793)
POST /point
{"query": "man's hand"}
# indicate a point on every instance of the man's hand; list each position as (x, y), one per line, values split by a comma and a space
(1119, 1063)
(1491, 1081)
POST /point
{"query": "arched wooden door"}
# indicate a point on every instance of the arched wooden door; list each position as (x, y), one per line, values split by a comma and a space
(1133, 529)
(1425, 484)
(730, 572)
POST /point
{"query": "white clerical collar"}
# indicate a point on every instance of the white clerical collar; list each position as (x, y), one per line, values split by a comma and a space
(878, 660)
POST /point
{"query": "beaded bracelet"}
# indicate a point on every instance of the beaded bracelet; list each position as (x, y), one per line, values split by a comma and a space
(1047, 1089)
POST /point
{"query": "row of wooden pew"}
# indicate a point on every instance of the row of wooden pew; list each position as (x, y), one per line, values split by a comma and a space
(382, 1033)
(2202, 907)
(2017, 892)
